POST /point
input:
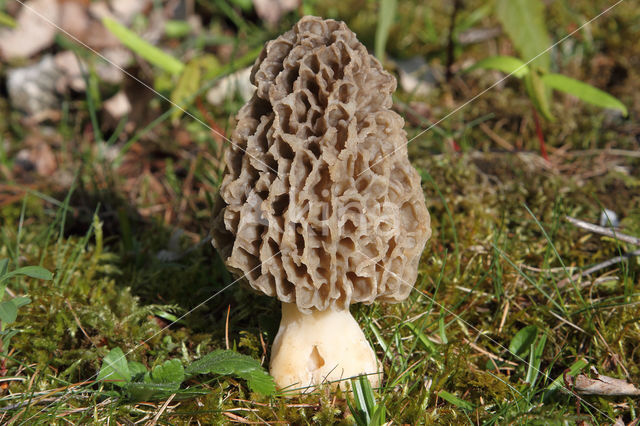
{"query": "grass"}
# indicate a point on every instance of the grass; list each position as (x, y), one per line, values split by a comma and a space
(495, 318)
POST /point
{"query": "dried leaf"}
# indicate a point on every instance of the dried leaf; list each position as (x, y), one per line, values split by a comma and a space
(272, 10)
(32, 34)
(603, 385)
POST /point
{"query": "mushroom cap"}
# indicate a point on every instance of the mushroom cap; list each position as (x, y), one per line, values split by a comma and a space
(319, 205)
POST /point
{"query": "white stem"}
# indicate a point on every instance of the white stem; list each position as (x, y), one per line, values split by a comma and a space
(320, 347)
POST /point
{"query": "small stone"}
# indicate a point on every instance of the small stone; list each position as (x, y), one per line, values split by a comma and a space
(32, 89)
(238, 82)
(609, 218)
(118, 106)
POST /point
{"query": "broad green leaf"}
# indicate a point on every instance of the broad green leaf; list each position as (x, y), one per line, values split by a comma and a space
(386, 15)
(538, 94)
(232, 363)
(20, 301)
(452, 399)
(145, 391)
(524, 22)
(37, 272)
(143, 48)
(8, 312)
(7, 20)
(583, 91)
(522, 341)
(506, 64)
(115, 368)
(159, 383)
(169, 372)
(136, 368)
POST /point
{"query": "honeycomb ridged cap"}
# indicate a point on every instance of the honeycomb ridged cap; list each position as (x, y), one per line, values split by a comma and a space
(319, 205)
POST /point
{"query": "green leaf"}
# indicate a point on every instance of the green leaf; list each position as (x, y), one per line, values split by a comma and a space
(583, 91)
(575, 368)
(535, 359)
(8, 312)
(169, 372)
(37, 272)
(365, 409)
(6, 338)
(506, 64)
(522, 341)
(7, 20)
(524, 22)
(146, 391)
(452, 399)
(538, 94)
(176, 28)
(143, 48)
(386, 15)
(115, 368)
(379, 416)
(136, 369)
(20, 301)
(187, 87)
(230, 363)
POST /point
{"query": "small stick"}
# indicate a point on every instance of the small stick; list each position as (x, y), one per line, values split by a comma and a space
(604, 231)
(599, 266)
(504, 316)
(155, 419)
(75, 317)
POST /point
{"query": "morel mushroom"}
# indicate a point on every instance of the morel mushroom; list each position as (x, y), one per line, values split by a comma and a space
(319, 205)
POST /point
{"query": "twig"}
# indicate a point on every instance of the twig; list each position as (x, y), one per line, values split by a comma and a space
(604, 231)
(154, 421)
(75, 317)
(599, 266)
(489, 354)
(496, 138)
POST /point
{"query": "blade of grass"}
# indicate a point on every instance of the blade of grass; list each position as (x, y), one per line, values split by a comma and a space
(386, 16)
(143, 48)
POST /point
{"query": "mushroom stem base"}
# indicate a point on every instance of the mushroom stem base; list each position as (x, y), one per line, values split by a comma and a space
(321, 347)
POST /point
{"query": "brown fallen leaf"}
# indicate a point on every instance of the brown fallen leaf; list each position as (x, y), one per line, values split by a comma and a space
(32, 33)
(602, 385)
(272, 10)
